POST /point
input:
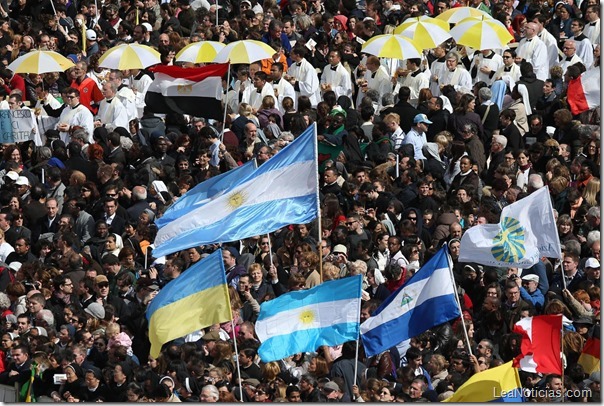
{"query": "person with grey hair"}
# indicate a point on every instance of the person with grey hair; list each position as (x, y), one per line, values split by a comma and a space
(388, 100)
(209, 394)
(455, 74)
(139, 202)
(45, 318)
(112, 113)
(535, 182)
(474, 147)
(496, 156)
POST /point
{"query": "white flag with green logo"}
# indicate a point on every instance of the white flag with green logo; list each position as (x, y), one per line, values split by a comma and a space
(526, 232)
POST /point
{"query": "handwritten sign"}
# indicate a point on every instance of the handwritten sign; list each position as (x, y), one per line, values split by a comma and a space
(17, 126)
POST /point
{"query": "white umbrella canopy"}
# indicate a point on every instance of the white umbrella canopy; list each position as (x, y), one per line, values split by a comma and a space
(200, 52)
(40, 62)
(392, 46)
(455, 15)
(244, 51)
(129, 56)
(427, 32)
(481, 33)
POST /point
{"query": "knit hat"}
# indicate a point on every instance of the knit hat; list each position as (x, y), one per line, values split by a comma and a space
(96, 310)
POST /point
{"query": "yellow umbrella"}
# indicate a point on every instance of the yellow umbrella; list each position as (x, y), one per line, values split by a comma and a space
(481, 33)
(457, 14)
(392, 46)
(200, 52)
(129, 56)
(40, 62)
(426, 31)
(245, 51)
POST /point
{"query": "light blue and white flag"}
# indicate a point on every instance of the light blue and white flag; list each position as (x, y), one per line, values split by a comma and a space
(301, 321)
(526, 232)
(205, 192)
(283, 191)
(426, 300)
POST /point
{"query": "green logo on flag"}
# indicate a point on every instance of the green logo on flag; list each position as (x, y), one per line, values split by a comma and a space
(509, 242)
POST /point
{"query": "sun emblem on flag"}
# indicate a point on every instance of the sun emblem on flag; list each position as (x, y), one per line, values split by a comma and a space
(235, 200)
(509, 242)
(307, 316)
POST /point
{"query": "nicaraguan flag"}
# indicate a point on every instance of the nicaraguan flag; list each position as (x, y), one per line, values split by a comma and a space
(193, 91)
(527, 231)
(301, 321)
(198, 298)
(283, 191)
(205, 191)
(426, 300)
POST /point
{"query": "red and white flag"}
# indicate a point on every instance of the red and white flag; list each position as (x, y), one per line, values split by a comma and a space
(193, 91)
(584, 92)
(541, 347)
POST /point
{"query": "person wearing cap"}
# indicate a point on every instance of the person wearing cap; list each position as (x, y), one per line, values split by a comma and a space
(92, 46)
(331, 392)
(417, 135)
(529, 291)
(593, 384)
(591, 271)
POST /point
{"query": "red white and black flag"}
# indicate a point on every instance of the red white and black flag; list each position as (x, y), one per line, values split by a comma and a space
(193, 91)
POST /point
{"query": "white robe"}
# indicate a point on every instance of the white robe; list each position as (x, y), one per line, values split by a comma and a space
(380, 82)
(128, 99)
(256, 98)
(585, 50)
(248, 87)
(415, 81)
(437, 69)
(141, 85)
(79, 116)
(553, 52)
(565, 63)
(593, 32)
(113, 114)
(535, 52)
(285, 89)
(494, 63)
(308, 81)
(459, 78)
(339, 79)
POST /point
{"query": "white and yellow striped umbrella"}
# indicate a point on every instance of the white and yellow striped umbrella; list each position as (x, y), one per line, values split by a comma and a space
(481, 34)
(40, 62)
(245, 51)
(200, 52)
(392, 46)
(427, 32)
(455, 15)
(129, 56)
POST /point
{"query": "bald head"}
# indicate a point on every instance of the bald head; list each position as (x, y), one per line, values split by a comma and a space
(531, 30)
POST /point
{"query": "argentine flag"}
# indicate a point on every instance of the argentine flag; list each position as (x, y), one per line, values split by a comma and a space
(426, 300)
(283, 191)
(302, 321)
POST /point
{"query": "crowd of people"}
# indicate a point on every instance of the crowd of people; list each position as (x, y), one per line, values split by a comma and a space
(419, 151)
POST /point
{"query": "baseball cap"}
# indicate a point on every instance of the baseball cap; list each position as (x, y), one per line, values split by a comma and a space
(91, 35)
(12, 175)
(531, 277)
(22, 180)
(592, 263)
(101, 279)
(421, 118)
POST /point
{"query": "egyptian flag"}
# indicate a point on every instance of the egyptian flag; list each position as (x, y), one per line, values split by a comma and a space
(584, 92)
(193, 91)
(590, 356)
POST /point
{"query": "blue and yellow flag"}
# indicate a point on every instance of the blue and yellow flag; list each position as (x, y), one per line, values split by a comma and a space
(198, 298)
(500, 384)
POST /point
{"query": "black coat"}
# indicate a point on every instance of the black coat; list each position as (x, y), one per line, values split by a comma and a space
(406, 111)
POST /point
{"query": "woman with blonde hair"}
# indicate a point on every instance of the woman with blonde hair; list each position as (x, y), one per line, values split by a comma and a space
(591, 194)
(437, 368)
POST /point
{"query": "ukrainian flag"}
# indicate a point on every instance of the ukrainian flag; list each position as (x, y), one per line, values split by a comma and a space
(500, 384)
(198, 298)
